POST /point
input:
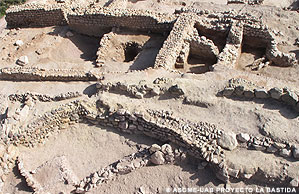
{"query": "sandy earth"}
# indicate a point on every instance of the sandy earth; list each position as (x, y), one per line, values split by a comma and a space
(90, 147)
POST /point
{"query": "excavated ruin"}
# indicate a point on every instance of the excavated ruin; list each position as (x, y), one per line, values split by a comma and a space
(165, 96)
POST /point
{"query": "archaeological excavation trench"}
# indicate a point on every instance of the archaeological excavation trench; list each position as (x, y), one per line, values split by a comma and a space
(149, 97)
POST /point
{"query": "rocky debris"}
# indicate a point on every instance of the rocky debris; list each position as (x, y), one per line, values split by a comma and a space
(143, 190)
(156, 91)
(154, 148)
(165, 154)
(228, 140)
(198, 46)
(155, 154)
(23, 60)
(233, 172)
(285, 153)
(296, 42)
(272, 149)
(158, 158)
(176, 90)
(168, 153)
(139, 95)
(139, 91)
(124, 166)
(19, 43)
(259, 64)
(235, 82)
(162, 80)
(243, 137)
(279, 145)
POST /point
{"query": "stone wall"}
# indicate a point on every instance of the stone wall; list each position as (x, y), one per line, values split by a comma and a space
(91, 21)
(58, 167)
(146, 156)
(35, 15)
(231, 52)
(171, 48)
(103, 48)
(8, 155)
(258, 31)
(202, 46)
(279, 58)
(198, 138)
(101, 20)
(98, 21)
(124, 166)
(201, 140)
(46, 125)
(37, 74)
(241, 88)
(31, 182)
(42, 97)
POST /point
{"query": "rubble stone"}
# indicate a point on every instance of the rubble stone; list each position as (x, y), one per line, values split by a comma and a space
(243, 137)
(19, 43)
(276, 93)
(228, 140)
(157, 158)
(23, 60)
(285, 153)
(261, 93)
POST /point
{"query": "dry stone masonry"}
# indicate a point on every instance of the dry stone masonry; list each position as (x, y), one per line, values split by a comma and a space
(246, 89)
(214, 38)
(41, 97)
(38, 74)
(201, 140)
(154, 155)
(98, 21)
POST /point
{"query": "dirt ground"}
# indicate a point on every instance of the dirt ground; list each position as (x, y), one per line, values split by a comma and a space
(89, 147)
